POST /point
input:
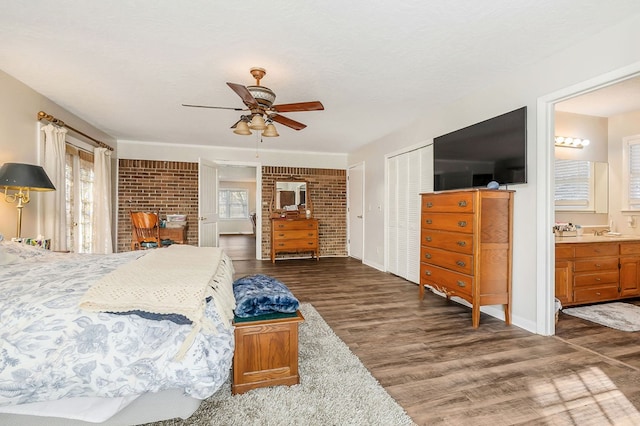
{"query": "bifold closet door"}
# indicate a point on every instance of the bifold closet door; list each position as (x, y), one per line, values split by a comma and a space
(410, 174)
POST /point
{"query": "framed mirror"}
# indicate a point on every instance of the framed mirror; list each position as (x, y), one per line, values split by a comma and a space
(290, 199)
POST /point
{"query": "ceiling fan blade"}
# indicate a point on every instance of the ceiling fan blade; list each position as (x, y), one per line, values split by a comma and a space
(287, 122)
(299, 106)
(212, 107)
(244, 94)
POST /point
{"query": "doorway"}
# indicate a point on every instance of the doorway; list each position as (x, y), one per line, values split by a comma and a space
(355, 209)
(545, 184)
(240, 199)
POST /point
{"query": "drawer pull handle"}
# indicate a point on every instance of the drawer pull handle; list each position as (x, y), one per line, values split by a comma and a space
(428, 239)
(427, 255)
(461, 283)
(598, 265)
(462, 223)
(462, 203)
(427, 273)
(429, 221)
(462, 243)
(281, 235)
(597, 279)
(461, 263)
(598, 294)
(429, 204)
(310, 243)
(310, 234)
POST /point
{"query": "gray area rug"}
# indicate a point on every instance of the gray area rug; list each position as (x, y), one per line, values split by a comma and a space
(621, 316)
(335, 389)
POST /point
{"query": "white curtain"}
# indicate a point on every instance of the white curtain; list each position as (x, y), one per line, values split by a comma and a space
(101, 218)
(55, 213)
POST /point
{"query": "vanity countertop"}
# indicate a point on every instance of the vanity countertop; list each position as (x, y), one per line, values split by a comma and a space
(597, 239)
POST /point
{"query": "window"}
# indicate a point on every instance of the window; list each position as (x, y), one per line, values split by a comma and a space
(79, 199)
(574, 185)
(233, 203)
(632, 169)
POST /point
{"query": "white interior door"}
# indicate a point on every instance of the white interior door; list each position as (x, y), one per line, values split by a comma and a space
(355, 189)
(207, 204)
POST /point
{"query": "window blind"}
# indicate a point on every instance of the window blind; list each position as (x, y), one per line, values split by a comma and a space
(634, 175)
(573, 183)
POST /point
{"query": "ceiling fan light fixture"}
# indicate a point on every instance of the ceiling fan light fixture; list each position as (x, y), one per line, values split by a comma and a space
(257, 123)
(242, 128)
(270, 131)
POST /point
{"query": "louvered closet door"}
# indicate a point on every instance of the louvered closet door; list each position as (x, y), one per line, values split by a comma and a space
(410, 174)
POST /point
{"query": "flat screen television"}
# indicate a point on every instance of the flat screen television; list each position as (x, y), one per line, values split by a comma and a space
(492, 150)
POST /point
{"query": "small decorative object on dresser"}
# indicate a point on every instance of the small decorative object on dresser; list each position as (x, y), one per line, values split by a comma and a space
(466, 245)
(294, 236)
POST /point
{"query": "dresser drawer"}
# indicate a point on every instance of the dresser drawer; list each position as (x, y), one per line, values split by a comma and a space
(597, 278)
(454, 282)
(295, 234)
(462, 222)
(296, 244)
(564, 251)
(453, 241)
(593, 250)
(451, 260)
(630, 248)
(295, 224)
(595, 294)
(596, 264)
(460, 202)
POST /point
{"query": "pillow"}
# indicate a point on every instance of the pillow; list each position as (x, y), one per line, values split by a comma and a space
(261, 294)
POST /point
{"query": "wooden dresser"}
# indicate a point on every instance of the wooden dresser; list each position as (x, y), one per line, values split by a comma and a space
(597, 272)
(294, 236)
(466, 247)
(177, 235)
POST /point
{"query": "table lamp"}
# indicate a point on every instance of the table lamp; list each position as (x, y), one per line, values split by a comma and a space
(23, 178)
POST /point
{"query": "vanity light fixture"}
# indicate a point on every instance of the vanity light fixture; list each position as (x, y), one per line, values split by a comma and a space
(569, 142)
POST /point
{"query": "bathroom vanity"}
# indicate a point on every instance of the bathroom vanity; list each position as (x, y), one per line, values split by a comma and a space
(592, 269)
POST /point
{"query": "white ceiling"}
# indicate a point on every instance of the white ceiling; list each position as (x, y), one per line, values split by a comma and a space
(376, 65)
(606, 102)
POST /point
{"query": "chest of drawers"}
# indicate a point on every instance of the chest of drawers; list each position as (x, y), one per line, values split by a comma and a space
(294, 236)
(466, 246)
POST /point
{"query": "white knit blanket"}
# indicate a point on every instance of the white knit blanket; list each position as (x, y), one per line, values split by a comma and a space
(173, 280)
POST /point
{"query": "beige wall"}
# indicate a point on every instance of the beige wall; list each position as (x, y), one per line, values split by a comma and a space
(19, 106)
(243, 226)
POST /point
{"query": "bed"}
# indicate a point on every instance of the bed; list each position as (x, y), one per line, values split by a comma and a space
(61, 361)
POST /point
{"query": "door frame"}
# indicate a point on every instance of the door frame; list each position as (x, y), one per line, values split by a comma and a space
(259, 206)
(545, 240)
(361, 190)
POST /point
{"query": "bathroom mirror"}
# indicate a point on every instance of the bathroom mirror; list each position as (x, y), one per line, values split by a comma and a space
(576, 189)
(291, 199)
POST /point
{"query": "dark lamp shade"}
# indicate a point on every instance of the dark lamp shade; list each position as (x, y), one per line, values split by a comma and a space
(25, 176)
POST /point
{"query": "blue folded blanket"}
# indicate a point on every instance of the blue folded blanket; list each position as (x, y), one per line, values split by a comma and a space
(261, 294)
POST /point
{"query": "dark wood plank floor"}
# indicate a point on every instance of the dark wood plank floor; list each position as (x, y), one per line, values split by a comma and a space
(239, 246)
(443, 372)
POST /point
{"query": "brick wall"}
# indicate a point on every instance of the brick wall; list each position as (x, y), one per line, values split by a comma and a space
(166, 187)
(327, 189)
(172, 187)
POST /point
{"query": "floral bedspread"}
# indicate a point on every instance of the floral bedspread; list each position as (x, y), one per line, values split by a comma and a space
(51, 349)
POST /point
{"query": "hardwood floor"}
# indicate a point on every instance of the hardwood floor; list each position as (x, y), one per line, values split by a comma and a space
(443, 372)
(239, 246)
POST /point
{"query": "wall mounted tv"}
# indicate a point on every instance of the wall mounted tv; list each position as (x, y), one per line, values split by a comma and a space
(492, 150)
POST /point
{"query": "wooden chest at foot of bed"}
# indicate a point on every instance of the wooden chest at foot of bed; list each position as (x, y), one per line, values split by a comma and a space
(266, 351)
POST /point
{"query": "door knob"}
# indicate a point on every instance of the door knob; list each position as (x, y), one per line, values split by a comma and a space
(359, 216)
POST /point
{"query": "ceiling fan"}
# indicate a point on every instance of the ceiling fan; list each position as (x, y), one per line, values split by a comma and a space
(261, 111)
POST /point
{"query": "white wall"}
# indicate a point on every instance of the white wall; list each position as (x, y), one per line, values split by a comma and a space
(191, 153)
(608, 51)
(19, 106)
(239, 226)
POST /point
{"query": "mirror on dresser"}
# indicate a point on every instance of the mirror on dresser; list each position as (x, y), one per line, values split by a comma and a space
(291, 199)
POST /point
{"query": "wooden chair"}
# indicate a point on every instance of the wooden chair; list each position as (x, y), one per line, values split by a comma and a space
(145, 230)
